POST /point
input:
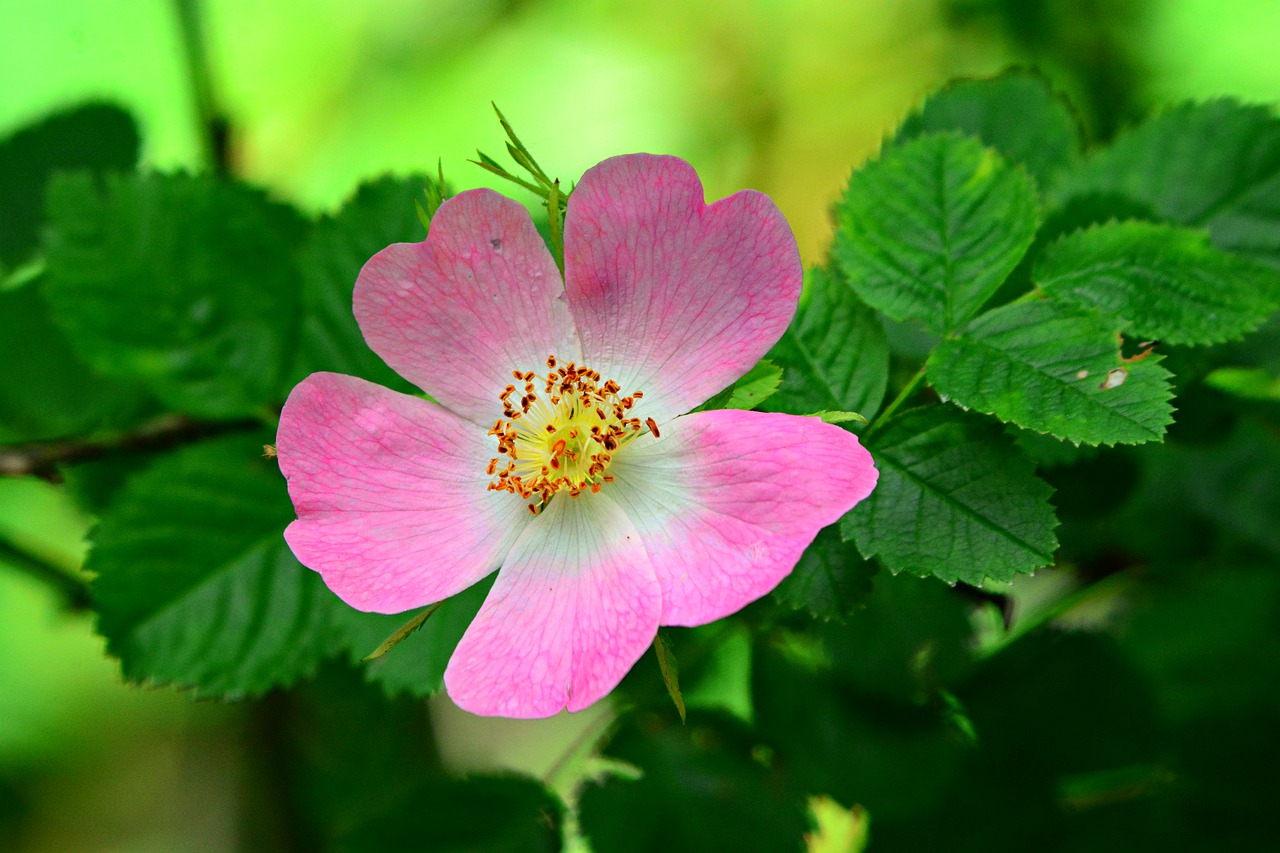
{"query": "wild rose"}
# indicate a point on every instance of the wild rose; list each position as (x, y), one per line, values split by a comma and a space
(558, 448)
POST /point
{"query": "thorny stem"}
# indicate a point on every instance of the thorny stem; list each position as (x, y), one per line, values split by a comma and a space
(905, 394)
(74, 590)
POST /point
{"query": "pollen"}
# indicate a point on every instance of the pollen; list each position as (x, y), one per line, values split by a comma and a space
(561, 433)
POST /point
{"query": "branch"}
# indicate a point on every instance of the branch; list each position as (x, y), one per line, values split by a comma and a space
(74, 590)
(42, 458)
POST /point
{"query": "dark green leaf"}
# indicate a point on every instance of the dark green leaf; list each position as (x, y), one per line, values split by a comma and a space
(956, 499)
(930, 230)
(46, 390)
(1193, 163)
(858, 748)
(185, 283)
(830, 580)
(701, 789)
(1054, 369)
(416, 665)
(379, 214)
(1160, 282)
(195, 585)
(1016, 113)
(98, 137)
(478, 814)
(756, 385)
(834, 356)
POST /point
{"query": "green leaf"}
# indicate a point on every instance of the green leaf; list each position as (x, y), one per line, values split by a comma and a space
(757, 385)
(956, 499)
(1016, 113)
(195, 585)
(930, 230)
(1160, 282)
(834, 355)
(46, 390)
(859, 748)
(702, 789)
(183, 282)
(670, 672)
(828, 417)
(98, 137)
(478, 814)
(1192, 163)
(378, 214)
(831, 579)
(1057, 370)
(416, 665)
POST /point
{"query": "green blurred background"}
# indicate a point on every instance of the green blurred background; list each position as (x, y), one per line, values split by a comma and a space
(785, 97)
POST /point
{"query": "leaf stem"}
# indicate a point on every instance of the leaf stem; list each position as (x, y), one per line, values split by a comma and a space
(74, 590)
(905, 394)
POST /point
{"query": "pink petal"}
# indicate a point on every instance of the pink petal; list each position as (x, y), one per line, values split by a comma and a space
(672, 297)
(727, 501)
(391, 494)
(573, 608)
(479, 298)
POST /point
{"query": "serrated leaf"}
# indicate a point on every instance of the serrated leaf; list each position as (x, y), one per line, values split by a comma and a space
(416, 665)
(46, 390)
(1054, 369)
(930, 230)
(99, 137)
(1192, 163)
(380, 213)
(834, 355)
(1160, 282)
(956, 499)
(831, 579)
(195, 585)
(1017, 113)
(185, 283)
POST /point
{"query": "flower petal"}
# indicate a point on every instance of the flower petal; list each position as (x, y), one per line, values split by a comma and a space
(456, 313)
(391, 494)
(673, 297)
(573, 608)
(726, 502)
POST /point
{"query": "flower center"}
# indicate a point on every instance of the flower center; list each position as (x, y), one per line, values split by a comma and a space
(561, 432)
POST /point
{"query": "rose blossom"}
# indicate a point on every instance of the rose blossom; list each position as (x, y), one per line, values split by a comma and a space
(557, 446)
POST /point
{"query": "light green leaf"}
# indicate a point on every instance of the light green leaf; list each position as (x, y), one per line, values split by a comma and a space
(195, 585)
(956, 499)
(378, 214)
(1017, 113)
(834, 356)
(183, 282)
(1160, 282)
(756, 386)
(1054, 369)
(930, 230)
(839, 417)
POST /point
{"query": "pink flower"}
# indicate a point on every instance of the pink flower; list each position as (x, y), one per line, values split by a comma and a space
(609, 510)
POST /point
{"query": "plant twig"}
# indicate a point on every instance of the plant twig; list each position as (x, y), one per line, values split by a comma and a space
(41, 458)
(74, 590)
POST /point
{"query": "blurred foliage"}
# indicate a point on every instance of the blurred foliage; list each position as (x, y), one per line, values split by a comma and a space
(151, 322)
